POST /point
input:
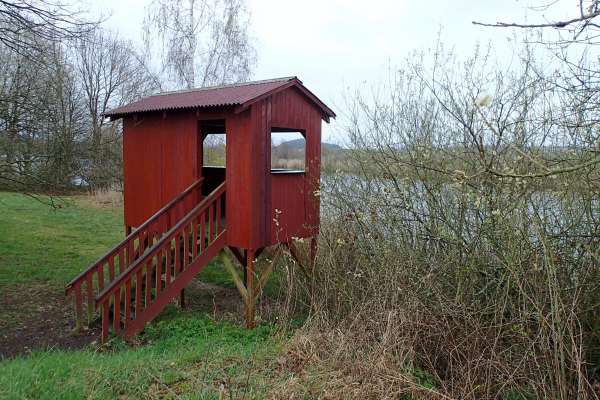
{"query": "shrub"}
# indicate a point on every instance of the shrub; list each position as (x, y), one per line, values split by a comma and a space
(460, 259)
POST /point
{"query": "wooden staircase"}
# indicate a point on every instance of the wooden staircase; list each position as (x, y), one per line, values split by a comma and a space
(135, 280)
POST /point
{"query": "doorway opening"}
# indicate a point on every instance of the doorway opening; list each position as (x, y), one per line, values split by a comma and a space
(212, 154)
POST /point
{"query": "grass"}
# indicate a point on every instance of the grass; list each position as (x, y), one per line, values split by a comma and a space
(182, 354)
(45, 244)
(188, 356)
(52, 245)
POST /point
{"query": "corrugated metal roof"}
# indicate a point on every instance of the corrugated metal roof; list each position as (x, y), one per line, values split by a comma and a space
(215, 96)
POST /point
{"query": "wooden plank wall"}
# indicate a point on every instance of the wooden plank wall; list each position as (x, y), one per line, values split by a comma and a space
(289, 207)
(290, 109)
(248, 158)
(253, 192)
(238, 201)
(159, 161)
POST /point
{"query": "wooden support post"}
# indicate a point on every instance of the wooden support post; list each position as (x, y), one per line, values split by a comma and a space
(90, 299)
(78, 308)
(264, 277)
(249, 277)
(239, 254)
(248, 288)
(236, 278)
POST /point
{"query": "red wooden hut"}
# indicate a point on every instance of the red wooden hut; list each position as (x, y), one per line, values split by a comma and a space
(180, 214)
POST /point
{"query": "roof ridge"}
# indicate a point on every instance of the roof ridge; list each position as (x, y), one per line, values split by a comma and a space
(229, 85)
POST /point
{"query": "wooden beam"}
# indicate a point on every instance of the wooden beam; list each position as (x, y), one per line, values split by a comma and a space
(246, 287)
(250, 306)
(182, 298)
(240, 254)
(236, 278)
(258, 252)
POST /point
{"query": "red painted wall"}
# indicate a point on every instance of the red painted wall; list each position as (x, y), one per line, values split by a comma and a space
(161, 153)
(253, 193)
(159, 161)
(290, 109)
(247, 152)
(289, 207)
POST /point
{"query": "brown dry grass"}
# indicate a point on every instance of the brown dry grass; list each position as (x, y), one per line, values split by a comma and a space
(103, 198)
(460, 258)
(385, 324)
(295, 164)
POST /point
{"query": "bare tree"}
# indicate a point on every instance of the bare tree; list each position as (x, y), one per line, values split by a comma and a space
(573, 43)
(26, 25)
(17, 87)
(40, 113)
(54, 87)
(202, 42)
(41, 120)
(60, 105)
(111, 73)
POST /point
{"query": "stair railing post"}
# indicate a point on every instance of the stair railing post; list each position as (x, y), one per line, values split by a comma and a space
(182, 248)
(78, 308)
(131, 291)
(182, 299)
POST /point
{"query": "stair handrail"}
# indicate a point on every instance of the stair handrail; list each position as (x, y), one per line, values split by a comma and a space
(151, 251)
(132, 236)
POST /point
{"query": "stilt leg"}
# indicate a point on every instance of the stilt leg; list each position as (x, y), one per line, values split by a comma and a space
(249, 278)
(248, 288)
(239, 254)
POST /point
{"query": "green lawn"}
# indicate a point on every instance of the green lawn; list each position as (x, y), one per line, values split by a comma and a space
(189, 356)
(41, 243)
(183, 354)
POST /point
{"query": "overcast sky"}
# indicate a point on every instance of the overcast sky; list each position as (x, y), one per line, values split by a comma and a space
(334, 44)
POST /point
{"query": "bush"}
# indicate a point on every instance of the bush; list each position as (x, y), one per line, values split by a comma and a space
(460, 259)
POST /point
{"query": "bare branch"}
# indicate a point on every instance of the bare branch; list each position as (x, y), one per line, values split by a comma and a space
(26, 24)
(557, 24)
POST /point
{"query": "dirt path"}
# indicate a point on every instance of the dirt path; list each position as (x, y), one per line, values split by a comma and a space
(38, 317)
